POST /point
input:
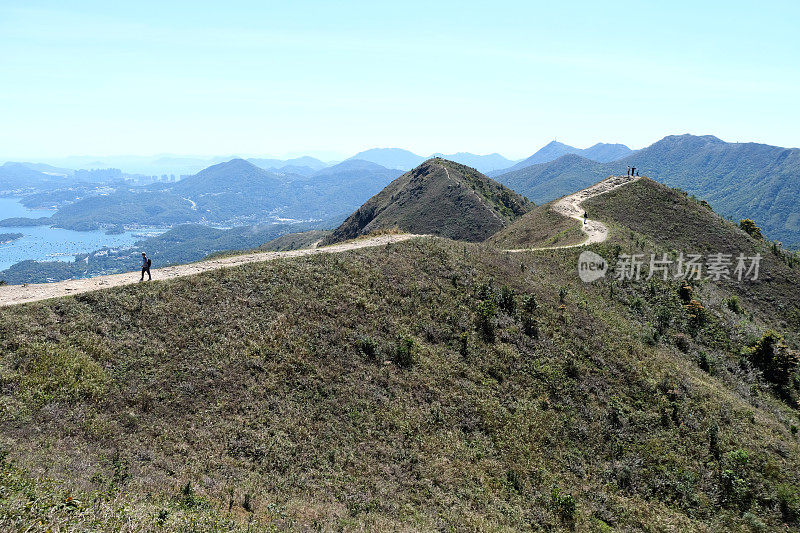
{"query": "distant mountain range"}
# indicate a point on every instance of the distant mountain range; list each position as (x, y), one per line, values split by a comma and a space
(395, 158)
(17, 176)
(438, 197)
(235, 192)
(600, 152)
(398, 158)
(739, 180)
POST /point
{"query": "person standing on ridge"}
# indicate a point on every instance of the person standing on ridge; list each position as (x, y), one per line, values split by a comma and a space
(146, 267)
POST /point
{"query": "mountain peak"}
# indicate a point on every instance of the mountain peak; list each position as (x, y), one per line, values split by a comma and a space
(437, 197)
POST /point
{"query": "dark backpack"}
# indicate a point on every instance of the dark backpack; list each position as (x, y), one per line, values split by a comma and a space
(149, 262)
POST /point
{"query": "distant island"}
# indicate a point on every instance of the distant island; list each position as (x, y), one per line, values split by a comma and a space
(6, 238)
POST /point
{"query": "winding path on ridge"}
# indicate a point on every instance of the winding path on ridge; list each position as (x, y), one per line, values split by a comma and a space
(569, 206)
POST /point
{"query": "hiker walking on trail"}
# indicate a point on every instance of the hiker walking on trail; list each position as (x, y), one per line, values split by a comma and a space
(585, 216)
(146, 267)
(629, 171)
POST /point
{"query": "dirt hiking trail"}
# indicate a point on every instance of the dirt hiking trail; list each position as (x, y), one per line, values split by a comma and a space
(19, 294)
(569, 206)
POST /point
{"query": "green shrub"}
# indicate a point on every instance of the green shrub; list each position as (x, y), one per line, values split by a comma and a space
(463, 344)
(704, 361)
(685, 292)
(697, 314)
(789, 502)
(663, 319)
(484, 319)
(738, 458)
(562, 294)
(750, 228)
(368, 347)
(404, 352)
(682, 342)
(734, 490)
(529, 303)
(774, 358)
(505, 299)
(733, 304)
(564, 505)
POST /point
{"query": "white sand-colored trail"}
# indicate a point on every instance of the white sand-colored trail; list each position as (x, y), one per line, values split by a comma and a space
(19, 294)
(570, 206)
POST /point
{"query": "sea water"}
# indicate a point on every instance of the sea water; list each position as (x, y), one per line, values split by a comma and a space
(43, 243)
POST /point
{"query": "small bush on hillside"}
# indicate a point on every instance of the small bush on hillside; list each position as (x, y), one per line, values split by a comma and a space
(368, 347)
(789, 502)
(188, 499)
(527, 309)
(404, 352)
(697, 314)
(505, 299)
(484, 319)
(749, 227)
(562, 294)
(463, 344)
(734, 489)
(682, 342)
(704, 361)
(529, 303)
(564, 505)
(663, 319)
(733, 304)
(685, 292)
(773, 357)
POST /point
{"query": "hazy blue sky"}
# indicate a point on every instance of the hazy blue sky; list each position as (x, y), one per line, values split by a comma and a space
(277, 78)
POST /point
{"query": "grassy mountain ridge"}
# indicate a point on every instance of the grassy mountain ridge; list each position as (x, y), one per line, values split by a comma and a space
(740, 180)
(670, 220)
(540, 227)
(438, 197)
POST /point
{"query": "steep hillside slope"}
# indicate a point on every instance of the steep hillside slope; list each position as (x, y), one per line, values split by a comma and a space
(668, 220)
(424, 385)
(540, 227)
(438, 197)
